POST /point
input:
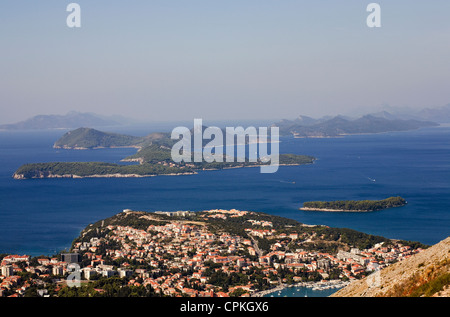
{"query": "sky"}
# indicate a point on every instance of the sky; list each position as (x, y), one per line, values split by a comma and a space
(160, 60)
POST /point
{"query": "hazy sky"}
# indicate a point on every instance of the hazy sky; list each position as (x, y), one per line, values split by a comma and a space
(221, 59)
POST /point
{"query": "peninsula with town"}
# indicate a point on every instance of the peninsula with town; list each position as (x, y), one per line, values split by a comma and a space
(211, 253)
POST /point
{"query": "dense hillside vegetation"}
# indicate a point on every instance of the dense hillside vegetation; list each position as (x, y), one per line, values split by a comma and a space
(90, 169)
(355, 205)
(85, 138)
(154, 163)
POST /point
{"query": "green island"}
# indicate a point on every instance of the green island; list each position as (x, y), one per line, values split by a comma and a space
(153, 158)
(209, 253)
(145, 169)
(87, 138)
(354, 205)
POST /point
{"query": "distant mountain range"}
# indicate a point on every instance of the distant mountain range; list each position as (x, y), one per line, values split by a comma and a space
(71, 120)
(439, 114)
(304, 126)
(395, 119)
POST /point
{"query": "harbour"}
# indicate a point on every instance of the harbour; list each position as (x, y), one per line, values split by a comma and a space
(305, 289)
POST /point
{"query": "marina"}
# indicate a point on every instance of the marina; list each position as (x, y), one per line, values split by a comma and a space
(305, 289)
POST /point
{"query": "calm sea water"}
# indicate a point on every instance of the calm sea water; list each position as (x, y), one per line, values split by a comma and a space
(302, 292)
(44, 216)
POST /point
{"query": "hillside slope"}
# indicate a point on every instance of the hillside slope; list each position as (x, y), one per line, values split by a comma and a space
(424, 274)
(87, 138)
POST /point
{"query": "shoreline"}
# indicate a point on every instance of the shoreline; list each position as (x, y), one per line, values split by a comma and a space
(333, 210)
(81, 148)
(21, 177)
(315, 286)
(256, 165)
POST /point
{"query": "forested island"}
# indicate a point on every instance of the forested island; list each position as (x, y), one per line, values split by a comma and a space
(146, 169)
(88, 138)
(153, 158)
(354, 205)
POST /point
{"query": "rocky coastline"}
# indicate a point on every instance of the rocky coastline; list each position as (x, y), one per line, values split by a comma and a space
(50, 175)
(331, 210)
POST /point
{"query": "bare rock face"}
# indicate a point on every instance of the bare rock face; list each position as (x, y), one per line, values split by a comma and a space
(424, 274)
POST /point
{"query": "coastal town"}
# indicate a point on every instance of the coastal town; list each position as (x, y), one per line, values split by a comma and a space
(179, 254)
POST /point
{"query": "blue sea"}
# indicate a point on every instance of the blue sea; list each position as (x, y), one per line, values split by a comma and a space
(43, 216)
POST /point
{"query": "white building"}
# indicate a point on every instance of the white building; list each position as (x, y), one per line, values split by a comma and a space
(89, 273)
(124, 272)
(57, 270)
(7, 270)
